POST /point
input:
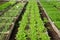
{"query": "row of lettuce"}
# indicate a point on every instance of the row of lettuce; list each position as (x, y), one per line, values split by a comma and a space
(52, 10)
(8, 18)
(7, 4)
(31, 25)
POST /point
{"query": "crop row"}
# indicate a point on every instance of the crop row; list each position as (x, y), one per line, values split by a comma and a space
(8, 17)
(7, 4)
(31, 25)
(52, 12)
(54, 3)
(3, 6)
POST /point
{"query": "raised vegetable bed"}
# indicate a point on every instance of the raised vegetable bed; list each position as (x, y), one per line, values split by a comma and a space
(53, 31)
(4, 35)
(31, 26)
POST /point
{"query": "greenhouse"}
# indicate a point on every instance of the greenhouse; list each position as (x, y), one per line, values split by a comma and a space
(29, 19)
